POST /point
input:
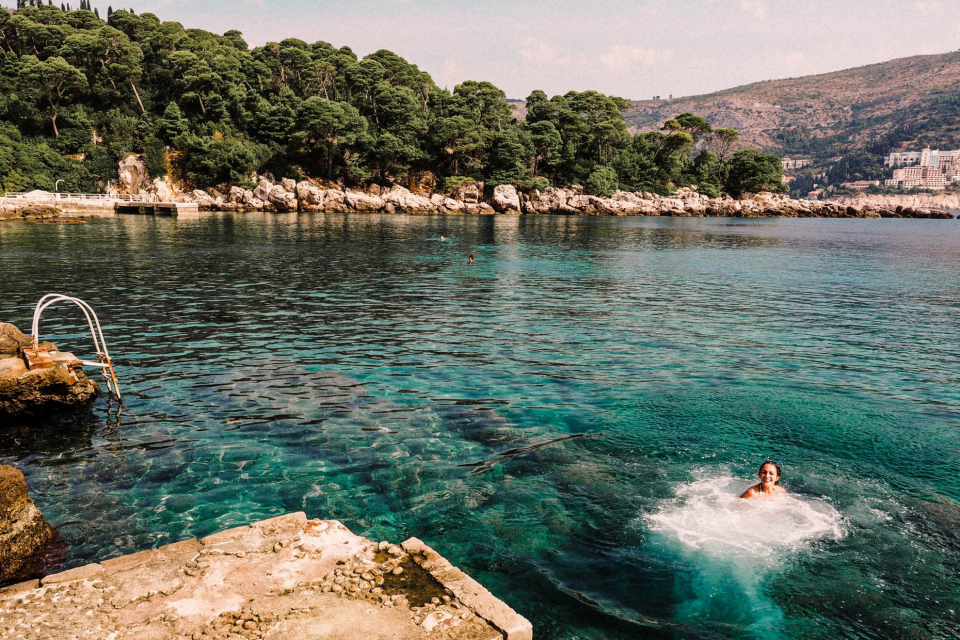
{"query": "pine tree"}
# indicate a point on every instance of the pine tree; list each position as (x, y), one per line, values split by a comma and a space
(63, 7)
(96, 12)
(109, 12)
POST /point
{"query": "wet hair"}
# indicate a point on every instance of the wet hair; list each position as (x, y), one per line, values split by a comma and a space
(775, 466)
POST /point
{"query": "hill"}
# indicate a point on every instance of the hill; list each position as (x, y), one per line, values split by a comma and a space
(904, 103)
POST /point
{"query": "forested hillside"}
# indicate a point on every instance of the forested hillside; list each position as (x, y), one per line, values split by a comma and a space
(79, 93)
(905, 103)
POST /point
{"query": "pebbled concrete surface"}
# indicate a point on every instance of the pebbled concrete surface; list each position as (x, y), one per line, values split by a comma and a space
(286, 578)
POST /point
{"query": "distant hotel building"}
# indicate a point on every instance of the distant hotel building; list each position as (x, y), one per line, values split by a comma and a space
(860, 185)
(790, 163)
(927, 169)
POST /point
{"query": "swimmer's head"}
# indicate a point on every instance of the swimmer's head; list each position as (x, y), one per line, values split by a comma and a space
(768, 469)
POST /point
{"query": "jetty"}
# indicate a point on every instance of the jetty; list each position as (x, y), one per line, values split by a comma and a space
(117, 202)
(156, 208)
(286, 578)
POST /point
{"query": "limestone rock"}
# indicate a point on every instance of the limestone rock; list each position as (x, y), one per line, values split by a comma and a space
(24, 534)
(360, 201)
(309, 196)
(282, 199)
(468, 193)
(133, 177)
(406, 202)
(505, 199)
(288, 184)
(26, 393)
(165, 191)
(12, 339)
(203, 199)
(263, 189)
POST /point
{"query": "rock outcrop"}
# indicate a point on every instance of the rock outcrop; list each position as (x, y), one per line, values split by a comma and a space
(30, 392)
(24, 534)
(133, 176)
(286, 195)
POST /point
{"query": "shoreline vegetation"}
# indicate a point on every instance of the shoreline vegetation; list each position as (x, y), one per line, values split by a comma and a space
(206, 111)
(140, 106)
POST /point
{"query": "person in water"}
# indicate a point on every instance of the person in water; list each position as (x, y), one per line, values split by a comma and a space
(769, 483)
(470, 259)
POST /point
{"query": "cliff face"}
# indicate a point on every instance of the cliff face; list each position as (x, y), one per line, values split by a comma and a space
(845, 109)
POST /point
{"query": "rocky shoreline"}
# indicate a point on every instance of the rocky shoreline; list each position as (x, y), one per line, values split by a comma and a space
(28, 393)
(287, 195)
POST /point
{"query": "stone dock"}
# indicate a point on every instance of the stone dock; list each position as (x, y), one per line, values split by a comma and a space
(287, 578)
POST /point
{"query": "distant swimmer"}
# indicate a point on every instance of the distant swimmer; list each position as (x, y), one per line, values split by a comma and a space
(442, 238)
(470, 259)
(769, 482)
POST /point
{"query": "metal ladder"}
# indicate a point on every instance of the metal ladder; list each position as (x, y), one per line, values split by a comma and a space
(99, 343)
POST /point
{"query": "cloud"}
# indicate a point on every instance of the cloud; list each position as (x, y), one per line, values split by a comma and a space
(540, 53)
(622, 57)
(927, 7)
(756, 8)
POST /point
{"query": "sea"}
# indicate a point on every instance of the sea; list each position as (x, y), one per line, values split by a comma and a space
(569, 419)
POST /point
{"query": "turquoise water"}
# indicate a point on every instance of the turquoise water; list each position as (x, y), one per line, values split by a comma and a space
(356, 367)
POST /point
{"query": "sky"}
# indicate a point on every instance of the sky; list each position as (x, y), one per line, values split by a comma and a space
(634, 49)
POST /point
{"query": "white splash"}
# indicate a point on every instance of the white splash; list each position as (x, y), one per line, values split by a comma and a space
(709, 516)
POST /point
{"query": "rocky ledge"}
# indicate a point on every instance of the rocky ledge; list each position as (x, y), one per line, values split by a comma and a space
(24, 534)
(25, 392)
(286, 578)
(288, 195)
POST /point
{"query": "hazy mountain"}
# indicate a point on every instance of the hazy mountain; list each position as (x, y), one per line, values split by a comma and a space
(909, 102)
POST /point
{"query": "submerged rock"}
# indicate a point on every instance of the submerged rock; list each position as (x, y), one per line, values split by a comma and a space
(24, 534)
(25, 392)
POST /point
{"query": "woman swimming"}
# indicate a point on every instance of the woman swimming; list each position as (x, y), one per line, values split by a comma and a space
(769, 481)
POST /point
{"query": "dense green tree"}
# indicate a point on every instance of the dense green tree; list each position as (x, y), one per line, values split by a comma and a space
(53, 81)
(329, 130)
(750, 171)
(602, 182)
(219, 110)
(155, 157)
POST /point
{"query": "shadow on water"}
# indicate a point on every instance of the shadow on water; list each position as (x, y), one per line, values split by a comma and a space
(60, 436)
(484, 465)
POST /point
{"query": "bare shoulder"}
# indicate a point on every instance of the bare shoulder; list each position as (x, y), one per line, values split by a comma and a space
(752, 492)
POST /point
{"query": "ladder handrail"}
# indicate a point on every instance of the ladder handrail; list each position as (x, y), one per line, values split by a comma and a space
(100, 345)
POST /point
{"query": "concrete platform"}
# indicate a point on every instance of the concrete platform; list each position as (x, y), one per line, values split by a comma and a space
(158, 208)
(286, 578)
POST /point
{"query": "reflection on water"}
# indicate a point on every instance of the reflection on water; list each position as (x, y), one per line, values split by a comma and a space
(354, 367)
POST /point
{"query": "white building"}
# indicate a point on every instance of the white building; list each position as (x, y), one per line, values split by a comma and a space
(902, 159)
(925, 177)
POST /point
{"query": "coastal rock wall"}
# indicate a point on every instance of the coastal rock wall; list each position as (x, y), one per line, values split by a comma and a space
(288, 196)
(24, 534)
(949, 202)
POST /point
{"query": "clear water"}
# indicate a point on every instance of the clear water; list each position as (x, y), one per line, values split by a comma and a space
(356, 367)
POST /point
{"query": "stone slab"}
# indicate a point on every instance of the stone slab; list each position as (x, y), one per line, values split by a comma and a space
(21, 587)
(470, 592)
(315, 580)
(79, 573)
